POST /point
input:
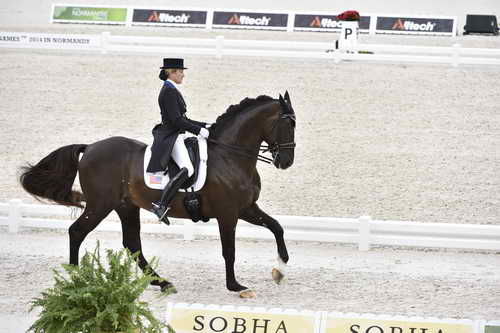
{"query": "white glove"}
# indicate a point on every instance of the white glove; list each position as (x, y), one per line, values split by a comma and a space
(208, 125)
(204, 133)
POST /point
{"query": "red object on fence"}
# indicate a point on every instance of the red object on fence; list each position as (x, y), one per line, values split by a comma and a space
(349, 15)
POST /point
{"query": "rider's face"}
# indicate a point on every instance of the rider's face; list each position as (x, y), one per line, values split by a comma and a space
(177, 76)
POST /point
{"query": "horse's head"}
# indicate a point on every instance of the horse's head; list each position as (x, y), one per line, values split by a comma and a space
(282, 134)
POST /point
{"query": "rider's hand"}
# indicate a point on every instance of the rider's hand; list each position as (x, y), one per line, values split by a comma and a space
(204, 133)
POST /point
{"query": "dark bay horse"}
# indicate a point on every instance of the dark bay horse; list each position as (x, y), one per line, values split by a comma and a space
(111, 178)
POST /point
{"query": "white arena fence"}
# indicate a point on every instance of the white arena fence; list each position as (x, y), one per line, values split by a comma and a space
(362, 231)
(219, 46)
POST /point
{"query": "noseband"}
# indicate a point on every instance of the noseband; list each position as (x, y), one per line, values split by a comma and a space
(274, 148)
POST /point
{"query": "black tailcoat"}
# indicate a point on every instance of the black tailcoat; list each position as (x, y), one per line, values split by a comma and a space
(173, 121)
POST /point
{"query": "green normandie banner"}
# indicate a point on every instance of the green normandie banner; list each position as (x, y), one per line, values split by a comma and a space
(93, 14)
(492, 329)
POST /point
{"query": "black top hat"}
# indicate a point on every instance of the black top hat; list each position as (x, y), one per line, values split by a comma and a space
(174, 63)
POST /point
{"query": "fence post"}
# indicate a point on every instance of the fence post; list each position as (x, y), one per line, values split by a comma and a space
(373, 25)
(364, 233)
(210, 18)
(337, 56)
(455, 56)
(105, 41)
(15, 215)
(291, 22)
(218, 46)
(188, 231)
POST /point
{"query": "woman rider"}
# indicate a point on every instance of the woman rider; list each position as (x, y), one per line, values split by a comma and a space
(169, 135)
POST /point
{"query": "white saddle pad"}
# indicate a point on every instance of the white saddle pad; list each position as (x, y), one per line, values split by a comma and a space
(158, 180)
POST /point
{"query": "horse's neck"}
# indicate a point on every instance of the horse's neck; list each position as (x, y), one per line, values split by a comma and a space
(243, 134)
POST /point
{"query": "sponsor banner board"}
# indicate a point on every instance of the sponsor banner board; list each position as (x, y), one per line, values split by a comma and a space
(340, 324)
(210, 319)
(322, 22)
(250, 20)
(415, 25)
(170, 17)
(492, 329)
(86, 14)
(49, 41)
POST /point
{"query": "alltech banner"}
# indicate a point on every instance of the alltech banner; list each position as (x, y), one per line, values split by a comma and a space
(89, 14)
(247, 20)
(415, 25)
(339, 324)
(323, 22)
(185, 319)
(169, 17)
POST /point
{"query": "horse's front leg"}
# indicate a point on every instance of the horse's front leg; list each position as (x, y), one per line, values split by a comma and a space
(227, 230)
(255, 215)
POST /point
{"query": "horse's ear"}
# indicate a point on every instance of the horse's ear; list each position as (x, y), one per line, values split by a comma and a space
(284, 105)
(287, 97)
(282, 101)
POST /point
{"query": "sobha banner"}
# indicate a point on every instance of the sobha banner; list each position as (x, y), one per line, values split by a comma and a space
(77, 14)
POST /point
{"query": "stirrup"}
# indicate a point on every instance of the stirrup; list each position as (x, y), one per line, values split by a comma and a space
(161, 212)
(164, 217)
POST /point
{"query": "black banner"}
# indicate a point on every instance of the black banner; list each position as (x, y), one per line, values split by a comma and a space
(325, 22)
(250, 20)
(414, 25)
(170, 17)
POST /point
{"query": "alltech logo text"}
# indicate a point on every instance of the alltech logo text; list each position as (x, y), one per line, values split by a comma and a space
(247, 20)
(168, 18)
(325, 22)
(408, 25)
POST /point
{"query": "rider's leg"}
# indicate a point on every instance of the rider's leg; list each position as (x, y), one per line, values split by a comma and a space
(181, 157)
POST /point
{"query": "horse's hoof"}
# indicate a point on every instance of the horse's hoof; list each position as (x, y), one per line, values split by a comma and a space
(277, 275)
(247, 293)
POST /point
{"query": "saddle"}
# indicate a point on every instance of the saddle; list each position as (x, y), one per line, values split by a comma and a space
(197, 149)
(198, 153)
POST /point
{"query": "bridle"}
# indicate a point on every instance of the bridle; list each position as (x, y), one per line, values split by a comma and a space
(274, 148)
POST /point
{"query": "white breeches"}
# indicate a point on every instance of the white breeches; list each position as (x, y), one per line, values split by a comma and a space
(181, 155)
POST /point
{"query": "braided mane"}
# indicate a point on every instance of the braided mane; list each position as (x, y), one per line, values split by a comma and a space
(235, 109)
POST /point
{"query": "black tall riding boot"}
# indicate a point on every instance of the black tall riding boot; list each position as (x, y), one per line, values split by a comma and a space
(160, 208)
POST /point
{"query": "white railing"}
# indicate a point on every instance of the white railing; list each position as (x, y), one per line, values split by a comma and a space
(219, 46)
(363, 231)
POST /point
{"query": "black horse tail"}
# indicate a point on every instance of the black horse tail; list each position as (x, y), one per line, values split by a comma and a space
(52, 178)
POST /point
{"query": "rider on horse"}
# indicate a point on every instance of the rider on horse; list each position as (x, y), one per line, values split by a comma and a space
(170, 134)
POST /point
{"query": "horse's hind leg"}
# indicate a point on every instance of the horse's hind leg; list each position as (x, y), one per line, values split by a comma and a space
(255, 215)
(131, 226)
(88, 221)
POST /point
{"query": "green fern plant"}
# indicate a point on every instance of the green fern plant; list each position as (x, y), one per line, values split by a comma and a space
(97, 298)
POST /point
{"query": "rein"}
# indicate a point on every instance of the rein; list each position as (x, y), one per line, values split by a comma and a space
(274, 149)
(246, 152)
